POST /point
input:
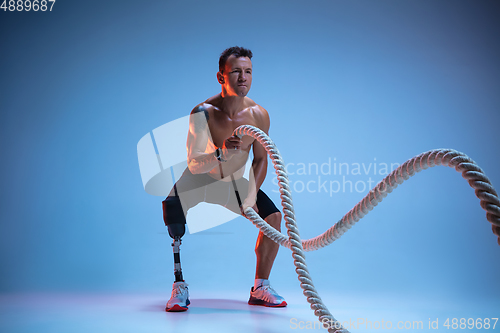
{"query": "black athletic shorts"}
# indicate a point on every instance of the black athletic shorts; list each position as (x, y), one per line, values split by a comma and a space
(191, 189)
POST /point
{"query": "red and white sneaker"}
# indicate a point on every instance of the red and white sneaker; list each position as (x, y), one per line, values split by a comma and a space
(265, 295)
(179, 300)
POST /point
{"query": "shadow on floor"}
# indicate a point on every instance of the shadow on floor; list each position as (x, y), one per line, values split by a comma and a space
(219, 306)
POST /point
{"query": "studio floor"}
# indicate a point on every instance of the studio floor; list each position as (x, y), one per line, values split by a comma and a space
(208, 312)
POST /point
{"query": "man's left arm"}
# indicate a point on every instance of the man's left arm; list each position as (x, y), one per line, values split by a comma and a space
(259, 163)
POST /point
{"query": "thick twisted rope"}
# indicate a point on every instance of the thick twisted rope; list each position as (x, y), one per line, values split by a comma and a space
(447, 157)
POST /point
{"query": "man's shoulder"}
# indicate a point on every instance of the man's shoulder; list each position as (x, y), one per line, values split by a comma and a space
(259, 114)
(208, 105)
(255, 108)
(213, 102)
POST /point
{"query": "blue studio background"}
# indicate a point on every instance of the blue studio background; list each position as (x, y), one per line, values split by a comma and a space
(373, 82)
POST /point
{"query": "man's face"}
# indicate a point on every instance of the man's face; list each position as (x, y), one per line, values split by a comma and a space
(237, 77)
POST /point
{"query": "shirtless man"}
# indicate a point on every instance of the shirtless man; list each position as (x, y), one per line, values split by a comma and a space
(216, 163)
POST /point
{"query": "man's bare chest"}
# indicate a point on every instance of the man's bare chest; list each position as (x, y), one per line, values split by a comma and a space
(222, 127)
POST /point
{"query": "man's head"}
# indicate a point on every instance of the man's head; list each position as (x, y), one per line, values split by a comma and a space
(237, 51)
(235, 71)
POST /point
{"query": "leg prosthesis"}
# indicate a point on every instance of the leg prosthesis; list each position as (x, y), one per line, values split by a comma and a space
(175, 221)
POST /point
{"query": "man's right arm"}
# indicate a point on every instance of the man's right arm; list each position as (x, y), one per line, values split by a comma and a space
(198, 160)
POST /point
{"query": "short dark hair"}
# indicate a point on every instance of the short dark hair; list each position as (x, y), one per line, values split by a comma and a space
(237, 51)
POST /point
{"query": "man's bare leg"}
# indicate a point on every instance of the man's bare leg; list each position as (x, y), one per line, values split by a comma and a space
(266, 249)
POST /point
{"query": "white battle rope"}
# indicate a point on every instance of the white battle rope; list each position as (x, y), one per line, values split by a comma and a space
(446, 157)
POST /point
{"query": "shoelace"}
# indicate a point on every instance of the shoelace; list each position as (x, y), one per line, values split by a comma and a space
(178, 290)
(265, 287)
(270, 291)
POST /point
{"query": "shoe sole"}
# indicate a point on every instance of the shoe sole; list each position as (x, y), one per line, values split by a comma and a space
(178, 308)
(266, 304)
